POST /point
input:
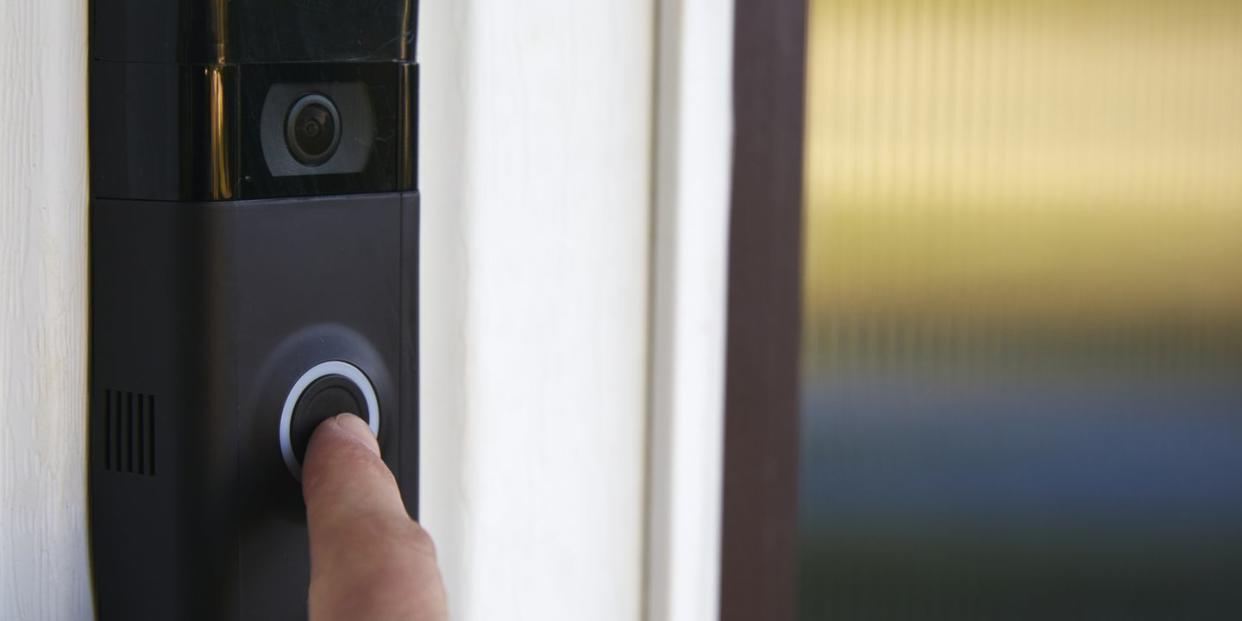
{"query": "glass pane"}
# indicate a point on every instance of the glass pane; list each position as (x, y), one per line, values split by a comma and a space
(1023, 320)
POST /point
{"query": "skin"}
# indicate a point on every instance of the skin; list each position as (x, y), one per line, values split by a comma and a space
(369, 560)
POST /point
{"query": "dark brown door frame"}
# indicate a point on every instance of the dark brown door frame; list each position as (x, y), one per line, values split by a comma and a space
(758, 560)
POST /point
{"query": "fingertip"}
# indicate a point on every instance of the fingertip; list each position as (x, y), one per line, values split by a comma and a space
(344, 472)
(345, 427)
(357, 428)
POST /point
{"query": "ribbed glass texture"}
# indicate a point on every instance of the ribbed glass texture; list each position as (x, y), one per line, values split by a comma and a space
(1023, 311)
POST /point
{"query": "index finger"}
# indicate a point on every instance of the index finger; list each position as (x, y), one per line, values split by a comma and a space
(369, 560)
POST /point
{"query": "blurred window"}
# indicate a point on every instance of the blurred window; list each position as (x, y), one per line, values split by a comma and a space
(1023, 311)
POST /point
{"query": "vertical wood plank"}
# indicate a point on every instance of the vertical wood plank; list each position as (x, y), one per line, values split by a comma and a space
(43, 563)
(536, 164)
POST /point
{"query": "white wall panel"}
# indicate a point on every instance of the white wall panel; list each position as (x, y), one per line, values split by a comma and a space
(536, 152)
(43, 558)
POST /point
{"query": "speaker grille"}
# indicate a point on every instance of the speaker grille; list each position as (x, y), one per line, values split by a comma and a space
(129, 427)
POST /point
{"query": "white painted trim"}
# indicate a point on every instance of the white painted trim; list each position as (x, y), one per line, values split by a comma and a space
(536, 165)
(43, 554)
(693, 160)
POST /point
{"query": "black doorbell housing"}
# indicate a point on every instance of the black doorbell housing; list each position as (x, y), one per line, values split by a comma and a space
(254, 248)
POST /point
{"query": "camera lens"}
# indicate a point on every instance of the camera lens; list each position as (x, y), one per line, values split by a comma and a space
(313, 129)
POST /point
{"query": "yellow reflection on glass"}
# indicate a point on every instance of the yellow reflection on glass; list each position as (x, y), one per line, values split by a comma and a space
(1023, 310)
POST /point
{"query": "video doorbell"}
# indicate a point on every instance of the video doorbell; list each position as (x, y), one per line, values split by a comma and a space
(254, 271)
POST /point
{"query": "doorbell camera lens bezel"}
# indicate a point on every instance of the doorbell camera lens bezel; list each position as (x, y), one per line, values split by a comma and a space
(311, 119)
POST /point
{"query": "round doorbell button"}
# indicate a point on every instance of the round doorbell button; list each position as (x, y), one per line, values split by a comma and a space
(323, 391)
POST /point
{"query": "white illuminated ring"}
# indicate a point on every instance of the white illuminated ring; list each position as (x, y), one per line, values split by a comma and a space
(335, 367)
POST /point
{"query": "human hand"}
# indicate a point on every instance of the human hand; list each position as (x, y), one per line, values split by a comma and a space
(369, 560)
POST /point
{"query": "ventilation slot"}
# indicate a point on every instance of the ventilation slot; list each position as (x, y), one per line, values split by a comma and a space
(129, 422)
